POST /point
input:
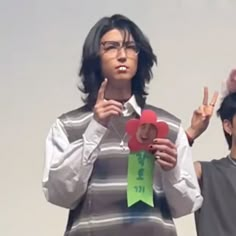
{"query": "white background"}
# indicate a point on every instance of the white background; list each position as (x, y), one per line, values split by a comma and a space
(41, 42)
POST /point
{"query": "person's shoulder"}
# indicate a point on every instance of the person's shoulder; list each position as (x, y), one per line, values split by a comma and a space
(202, 166)
(162, 113)
(75, 114)
(214, 163)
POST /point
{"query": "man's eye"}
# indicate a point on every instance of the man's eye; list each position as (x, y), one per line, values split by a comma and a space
(131, 47)
(110, 47)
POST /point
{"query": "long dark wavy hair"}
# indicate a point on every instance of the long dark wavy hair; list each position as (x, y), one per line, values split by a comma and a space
(90, 70)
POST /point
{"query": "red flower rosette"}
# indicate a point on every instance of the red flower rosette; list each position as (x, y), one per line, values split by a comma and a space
(142, 131)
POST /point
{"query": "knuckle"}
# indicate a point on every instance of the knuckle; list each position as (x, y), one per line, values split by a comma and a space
(96, 106)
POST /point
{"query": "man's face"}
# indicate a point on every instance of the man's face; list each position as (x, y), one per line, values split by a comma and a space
(230, 128)
(233, 130)
(119, 55)
(146, 133)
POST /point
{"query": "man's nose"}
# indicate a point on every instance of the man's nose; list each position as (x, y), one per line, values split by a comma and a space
(122, 55)
(145, 132)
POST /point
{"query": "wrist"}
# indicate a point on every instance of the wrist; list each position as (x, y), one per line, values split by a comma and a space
(104, 123)
(192, 133)
(190, 136)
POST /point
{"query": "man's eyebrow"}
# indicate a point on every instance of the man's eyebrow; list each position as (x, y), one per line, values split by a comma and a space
(118, 41)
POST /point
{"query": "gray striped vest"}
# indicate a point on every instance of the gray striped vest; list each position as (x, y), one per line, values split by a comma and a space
(103, 209)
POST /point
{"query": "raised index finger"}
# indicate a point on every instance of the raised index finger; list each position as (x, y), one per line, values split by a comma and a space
(102, 89)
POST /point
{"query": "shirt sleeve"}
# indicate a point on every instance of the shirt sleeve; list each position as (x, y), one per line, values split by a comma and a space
(180, 184)
(68, 166)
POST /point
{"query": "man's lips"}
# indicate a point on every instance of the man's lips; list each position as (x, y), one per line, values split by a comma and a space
(122, 68)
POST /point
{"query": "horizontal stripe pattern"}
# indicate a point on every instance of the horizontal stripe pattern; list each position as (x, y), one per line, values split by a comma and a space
(103, 210)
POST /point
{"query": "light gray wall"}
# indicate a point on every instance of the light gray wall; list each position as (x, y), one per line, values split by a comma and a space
(40, 51)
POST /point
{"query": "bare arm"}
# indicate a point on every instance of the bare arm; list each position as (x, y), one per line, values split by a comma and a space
(198, 170)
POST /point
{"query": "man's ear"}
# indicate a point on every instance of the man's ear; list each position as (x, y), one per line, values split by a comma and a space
(227, 127)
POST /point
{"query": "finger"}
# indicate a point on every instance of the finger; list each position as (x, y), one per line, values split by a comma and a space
(105, 115)
(205, 96)
(166, 157)
(208, 112)
(165, 165)
(163, 149)
(103, 108)
(114, 103)
(102, 89)
(210, 107)
(101, 111)
(164, 141)
(112, 108)
(202, 110)
(214, 98)
(199, 111)
(106, 103)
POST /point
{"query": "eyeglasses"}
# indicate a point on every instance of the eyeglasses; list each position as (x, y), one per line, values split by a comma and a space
(114, 47)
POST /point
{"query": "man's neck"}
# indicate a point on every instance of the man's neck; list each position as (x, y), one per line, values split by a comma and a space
(120, 93)
(233, 152)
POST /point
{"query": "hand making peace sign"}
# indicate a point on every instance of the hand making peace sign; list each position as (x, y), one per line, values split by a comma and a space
(201, 116)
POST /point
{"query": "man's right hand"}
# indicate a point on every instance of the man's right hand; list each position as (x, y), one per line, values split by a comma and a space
(105, 109)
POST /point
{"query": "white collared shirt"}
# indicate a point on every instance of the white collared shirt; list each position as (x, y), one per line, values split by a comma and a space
(68, 167)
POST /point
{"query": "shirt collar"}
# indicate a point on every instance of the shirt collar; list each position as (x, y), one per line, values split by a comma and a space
(131, 106)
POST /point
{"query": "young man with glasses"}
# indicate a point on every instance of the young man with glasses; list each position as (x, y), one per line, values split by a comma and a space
(86, 149)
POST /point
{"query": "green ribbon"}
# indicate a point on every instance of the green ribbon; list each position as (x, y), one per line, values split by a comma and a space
(140, 178)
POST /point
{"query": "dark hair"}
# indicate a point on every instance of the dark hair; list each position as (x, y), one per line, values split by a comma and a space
(227, 111)
(90, 70)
